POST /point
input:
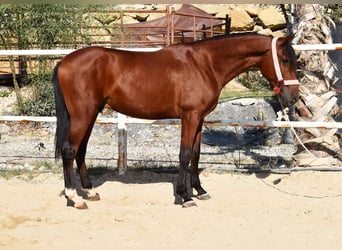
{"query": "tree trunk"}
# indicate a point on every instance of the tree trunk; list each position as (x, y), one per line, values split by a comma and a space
(16, 85)
(318, 98)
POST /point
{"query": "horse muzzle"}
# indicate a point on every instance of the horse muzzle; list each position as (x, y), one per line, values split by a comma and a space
(288, 95)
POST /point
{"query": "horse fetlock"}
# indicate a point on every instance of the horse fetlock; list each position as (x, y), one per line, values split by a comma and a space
(77, 201)
(182, 191)
(92, 195)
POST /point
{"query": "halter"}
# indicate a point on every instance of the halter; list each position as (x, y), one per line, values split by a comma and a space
(281, 81)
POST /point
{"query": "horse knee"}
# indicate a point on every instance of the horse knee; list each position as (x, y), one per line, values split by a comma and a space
(68, 152)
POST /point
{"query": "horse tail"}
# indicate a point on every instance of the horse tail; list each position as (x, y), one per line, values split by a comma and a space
(62, 114)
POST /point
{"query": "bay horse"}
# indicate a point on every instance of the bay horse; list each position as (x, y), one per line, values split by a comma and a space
(179, 81)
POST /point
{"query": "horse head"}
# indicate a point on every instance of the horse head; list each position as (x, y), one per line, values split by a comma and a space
(279, 67)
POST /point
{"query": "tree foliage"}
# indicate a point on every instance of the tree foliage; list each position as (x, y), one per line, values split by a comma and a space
(39, 26)
(335, 10)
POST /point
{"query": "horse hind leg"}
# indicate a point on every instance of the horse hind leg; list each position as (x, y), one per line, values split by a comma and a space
(87, 186)
(68, 156)
(79, 136)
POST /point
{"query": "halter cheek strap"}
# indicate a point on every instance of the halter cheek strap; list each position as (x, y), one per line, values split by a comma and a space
(281, 81)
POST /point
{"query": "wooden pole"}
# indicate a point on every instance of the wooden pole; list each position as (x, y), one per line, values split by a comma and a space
(122, 144)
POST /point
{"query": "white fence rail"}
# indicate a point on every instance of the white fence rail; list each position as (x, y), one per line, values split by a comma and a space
(335, 46)
(234, 123)
(123, 120)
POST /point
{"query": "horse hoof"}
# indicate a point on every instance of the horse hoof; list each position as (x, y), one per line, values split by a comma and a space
(189, 203)
(203, 197)
(94, 197)
(80, 205)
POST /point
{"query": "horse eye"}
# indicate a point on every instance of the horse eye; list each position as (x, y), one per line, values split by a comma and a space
(286, 60)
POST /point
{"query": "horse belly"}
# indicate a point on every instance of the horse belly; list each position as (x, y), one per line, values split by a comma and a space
(143, 107)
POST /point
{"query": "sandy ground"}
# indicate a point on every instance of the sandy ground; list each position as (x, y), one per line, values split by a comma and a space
(297, 211)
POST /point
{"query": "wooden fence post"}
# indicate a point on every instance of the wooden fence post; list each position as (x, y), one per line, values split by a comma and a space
(122, 144)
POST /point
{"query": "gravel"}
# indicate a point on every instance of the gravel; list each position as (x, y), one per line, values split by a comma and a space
(30, 146)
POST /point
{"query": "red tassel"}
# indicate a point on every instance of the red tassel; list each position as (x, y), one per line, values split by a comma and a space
(276, 90)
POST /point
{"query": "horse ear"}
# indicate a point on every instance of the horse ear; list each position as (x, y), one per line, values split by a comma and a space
(287, 39)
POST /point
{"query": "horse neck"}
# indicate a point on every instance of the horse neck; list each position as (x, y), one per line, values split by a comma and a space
(232, 56)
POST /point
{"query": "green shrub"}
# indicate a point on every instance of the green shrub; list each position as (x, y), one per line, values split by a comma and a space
(4, 93)
(254, 81)
(41, 102)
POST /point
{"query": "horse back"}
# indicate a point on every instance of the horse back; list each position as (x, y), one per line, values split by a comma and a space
(148, 85)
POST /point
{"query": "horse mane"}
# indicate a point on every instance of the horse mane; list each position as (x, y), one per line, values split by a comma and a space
(219, 37)
(287, 46)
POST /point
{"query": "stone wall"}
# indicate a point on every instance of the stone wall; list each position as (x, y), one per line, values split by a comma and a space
(260, 18)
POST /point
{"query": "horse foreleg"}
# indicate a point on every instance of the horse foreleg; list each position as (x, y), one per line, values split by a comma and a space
(181, 189)
(194, 179)
(68, 156)
(189, 128)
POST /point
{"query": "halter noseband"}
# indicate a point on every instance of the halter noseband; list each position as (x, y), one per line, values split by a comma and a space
(281, 81)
